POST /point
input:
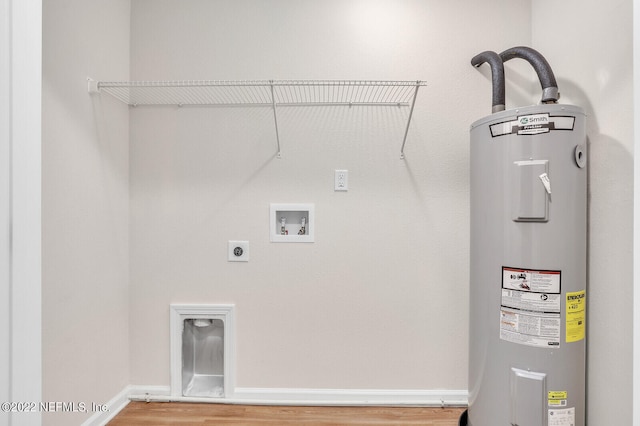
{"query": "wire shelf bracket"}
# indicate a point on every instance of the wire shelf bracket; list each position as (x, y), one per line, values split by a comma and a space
(265, 93)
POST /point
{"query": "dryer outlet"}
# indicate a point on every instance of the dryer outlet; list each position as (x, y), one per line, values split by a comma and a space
(238, 251)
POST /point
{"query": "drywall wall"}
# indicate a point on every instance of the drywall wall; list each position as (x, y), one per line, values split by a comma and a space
(379, 300)
(85, 207)
(591, 48)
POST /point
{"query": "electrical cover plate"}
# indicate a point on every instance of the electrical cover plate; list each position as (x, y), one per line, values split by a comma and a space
(529, 192)
(238, 251)
(341, 180)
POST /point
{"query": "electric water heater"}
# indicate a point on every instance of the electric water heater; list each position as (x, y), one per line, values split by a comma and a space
(528, 258)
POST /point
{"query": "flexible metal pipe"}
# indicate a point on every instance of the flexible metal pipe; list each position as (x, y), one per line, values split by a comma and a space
(497, 76)
(541, 67)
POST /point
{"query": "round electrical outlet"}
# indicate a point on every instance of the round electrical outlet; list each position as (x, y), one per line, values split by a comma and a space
(238, 251)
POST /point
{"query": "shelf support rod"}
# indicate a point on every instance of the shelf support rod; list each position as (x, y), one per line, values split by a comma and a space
(275, 117)
(406, 130)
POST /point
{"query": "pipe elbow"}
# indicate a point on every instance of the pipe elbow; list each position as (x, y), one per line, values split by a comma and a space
(497, 77)
(540, 66)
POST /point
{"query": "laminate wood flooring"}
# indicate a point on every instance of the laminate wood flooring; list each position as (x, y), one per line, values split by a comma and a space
(183, 414)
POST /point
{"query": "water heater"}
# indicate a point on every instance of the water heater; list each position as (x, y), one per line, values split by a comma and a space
(528, 258)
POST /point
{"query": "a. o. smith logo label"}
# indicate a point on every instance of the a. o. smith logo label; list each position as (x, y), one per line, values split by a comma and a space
(533, 124)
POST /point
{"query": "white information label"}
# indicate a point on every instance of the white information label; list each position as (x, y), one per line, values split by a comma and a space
(563, 417)
(531, 280)
(530, 307)
(536, 302)
(530, 328)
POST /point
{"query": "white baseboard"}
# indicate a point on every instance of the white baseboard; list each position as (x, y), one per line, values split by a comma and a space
(149, 391)
(439, 398)
(334, 397)
(115, 405)
(287, 396)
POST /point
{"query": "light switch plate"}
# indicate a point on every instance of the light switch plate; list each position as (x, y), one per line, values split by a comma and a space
(238, 251)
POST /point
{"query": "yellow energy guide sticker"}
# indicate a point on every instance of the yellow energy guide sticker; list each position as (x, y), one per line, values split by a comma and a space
(576, 308)
(557, 398)
(557, 395)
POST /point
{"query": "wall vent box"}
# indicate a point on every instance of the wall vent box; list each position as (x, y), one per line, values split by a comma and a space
(203, 357)
(202, 351)
(292, 223)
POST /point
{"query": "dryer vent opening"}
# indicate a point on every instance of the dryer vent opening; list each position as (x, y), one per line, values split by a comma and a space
(202, 351)
(203, 358)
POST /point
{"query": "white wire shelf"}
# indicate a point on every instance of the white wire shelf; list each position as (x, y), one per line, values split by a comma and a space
(265, 93)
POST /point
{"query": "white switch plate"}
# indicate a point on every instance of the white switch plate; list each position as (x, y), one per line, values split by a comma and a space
(341, 180)
(238, 251)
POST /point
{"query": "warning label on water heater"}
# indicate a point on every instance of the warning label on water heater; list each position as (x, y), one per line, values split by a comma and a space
(530, 307)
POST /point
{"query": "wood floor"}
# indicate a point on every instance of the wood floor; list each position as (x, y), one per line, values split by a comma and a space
(182, 413)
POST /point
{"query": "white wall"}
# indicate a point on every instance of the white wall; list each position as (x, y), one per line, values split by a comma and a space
(590, 46)
(379, 301)
(85, 206)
